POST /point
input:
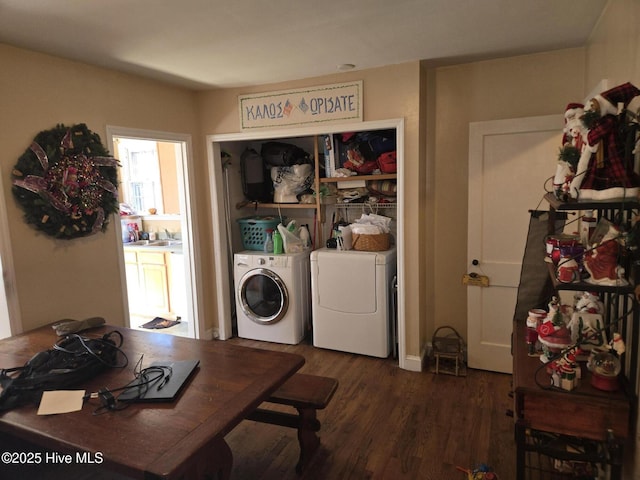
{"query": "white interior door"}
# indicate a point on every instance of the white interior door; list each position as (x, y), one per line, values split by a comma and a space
(509, 162)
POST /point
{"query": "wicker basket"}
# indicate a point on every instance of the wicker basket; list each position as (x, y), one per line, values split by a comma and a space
(448, 351)
(371, 243)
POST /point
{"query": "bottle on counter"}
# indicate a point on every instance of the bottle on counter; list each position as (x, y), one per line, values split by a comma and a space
(268, 242)
(347, 237)
(277, 243)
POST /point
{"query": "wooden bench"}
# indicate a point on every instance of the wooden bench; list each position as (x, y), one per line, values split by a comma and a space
(307, 394)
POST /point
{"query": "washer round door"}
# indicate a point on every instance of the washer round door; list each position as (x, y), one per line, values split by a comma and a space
(263, 296)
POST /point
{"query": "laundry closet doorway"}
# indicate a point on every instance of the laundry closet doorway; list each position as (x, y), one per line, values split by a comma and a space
(225, 149)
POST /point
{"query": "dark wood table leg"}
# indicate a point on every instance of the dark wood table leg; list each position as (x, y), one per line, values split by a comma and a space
(520, 437)
(307, 437)
(222, 459)
(214, 462)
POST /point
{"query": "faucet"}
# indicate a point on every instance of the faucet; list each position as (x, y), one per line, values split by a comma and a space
(169, 234)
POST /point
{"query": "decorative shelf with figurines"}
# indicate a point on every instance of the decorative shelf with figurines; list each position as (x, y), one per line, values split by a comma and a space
(575, 343)
(576, 358)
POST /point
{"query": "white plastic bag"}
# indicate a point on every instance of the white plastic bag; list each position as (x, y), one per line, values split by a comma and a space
(288, 182)
(290, 241)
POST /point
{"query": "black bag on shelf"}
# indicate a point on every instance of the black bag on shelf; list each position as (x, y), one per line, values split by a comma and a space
(366, 146)
(380, 142)
(71, 361)
(279, 154)
(256, 180)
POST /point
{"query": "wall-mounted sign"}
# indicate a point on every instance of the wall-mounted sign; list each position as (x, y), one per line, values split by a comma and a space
(324, 104)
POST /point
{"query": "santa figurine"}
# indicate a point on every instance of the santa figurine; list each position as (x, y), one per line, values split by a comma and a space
(553, 333)
(604, 172)
(573, 125)
(601, 261)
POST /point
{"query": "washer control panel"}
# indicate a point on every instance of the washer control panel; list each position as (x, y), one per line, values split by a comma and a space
(275, 261)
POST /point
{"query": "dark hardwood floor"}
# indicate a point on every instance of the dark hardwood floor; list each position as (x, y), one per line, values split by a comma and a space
(382, 423)
(387, 423)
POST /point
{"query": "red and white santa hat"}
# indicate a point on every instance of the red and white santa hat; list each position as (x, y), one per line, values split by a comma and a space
(572, 109)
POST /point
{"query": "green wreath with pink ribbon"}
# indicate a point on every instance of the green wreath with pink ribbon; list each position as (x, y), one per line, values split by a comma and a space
(66, 182)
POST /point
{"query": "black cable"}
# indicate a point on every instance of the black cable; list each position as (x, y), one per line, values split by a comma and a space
(86, 349)
(147, 377)
(544, 186)
(71, 359)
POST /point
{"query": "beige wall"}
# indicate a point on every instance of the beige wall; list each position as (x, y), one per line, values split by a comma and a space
(75, 278)
(389, 92)
(514, 87)
(169, 177)
(613, 51)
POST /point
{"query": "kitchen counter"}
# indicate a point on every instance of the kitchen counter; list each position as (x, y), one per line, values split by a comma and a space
(173, 246)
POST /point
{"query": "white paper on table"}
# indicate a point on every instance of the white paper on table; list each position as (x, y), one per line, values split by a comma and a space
(61, 401)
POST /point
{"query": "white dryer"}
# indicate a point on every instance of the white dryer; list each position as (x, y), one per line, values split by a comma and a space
(272, 296)
(352, 303)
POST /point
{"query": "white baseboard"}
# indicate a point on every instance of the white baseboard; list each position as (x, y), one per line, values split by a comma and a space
(209, 334)
(413, 363)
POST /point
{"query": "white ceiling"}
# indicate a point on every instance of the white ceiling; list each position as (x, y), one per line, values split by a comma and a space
(225, 43)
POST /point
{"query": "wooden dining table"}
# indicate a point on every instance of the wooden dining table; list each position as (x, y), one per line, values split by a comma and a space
(181, 439)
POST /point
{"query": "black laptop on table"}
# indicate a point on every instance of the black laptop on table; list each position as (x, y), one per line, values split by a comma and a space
(167, 388)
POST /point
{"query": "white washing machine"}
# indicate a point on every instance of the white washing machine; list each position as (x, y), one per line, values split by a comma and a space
(272, 296)
(352, 300)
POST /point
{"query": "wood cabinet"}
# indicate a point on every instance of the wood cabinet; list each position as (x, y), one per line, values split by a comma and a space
(154, 280)
(550, 423)
(585, 424)
(148, 287)
(136, 300)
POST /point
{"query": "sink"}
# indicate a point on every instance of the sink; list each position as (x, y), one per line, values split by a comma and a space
(164, 243)
(154, 243)
(139, 242)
